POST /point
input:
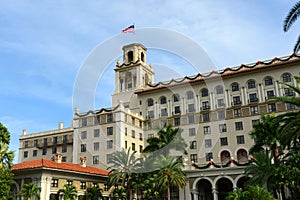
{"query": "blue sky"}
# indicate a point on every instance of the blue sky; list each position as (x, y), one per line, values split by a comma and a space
(44, 43)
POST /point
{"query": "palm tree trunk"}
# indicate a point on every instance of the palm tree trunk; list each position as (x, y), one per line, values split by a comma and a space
(168, 194)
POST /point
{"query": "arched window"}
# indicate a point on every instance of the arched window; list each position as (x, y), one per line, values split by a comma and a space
(163, 100)
(235, 87)
(219, 89)
(128, 79)
(142, 57)
(268, 81)
(190, 95)
(242, 155)
(150, 102)
(225, 156)
(130, 56)
(204, 92)
(176, 97)
(251, 84)
(121, 84)
(286, 77)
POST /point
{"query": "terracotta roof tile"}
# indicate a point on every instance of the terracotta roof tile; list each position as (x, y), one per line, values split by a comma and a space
(46, 163)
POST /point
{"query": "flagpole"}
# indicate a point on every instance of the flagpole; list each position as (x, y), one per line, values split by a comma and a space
(134, 32)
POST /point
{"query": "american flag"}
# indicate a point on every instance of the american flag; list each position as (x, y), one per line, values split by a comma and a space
(128, 29)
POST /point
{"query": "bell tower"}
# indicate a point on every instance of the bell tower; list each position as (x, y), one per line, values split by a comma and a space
(133, 73)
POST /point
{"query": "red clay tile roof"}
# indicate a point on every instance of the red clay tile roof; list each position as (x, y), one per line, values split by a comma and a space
(46, 163)
(221, 73)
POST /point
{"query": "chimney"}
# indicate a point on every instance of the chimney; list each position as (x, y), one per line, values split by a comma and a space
(83, 161)
(60, 125)
(57, 157)
(24, 132)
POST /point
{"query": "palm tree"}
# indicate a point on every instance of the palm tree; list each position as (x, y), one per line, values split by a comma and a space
(238, 194)
(290, 122)
(265, 134)
(253, 192)
(124, 164)
(4, 135)
(290, 19)
(94, 193)
(170, 173)
(30, 191)
(69, 193)
(6, 156)
(167, 139)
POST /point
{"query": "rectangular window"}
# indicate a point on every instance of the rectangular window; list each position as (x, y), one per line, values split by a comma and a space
(209, 156)
(151, 114)
(82, 185)
(222, 128)
(141, 148)
(163, 123)
(133, 134)
(110, 131)
(83, 147)
(108, 158)
(272, 107)
(141, 136)
(44, 152)
(220, 103)
(109, 144)
(35, 143)
(164, 112)
(96, 146)
(290, 106)
(45, 141)
(221, 114)
(224, 141)
(64, 149)
(191, 119)
(97, 120)
(194, 158)
(34, 153)
(253, 110)
(193, 145)
(207, 143)
(65, 139)
(237, 100)
(237, 112)
(54, 183)
(26, 144)
(177, 109)
(125, 144)
(240, 139)
(126, 131)
(133, 146)
(191, 107)
(95, 160)
(238, 126)
(54, 150)
(253, 98)
(206, 130)
(205, 105)
(109, 118)
(54, 140)
(133, 121)
(255, 121)
(205, 117)
(83, 135)
(177, 121)
(192, 131)
(84, 122)
(270, 94)
(64, 159)
(288, 92)
(96, 133)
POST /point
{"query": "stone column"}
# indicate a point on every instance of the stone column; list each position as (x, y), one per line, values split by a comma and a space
(169, 109)
(227, 99)
(182, 106)
(197, 106)
(276, 88)
(212, 101)
(243, 96)
(215, 193)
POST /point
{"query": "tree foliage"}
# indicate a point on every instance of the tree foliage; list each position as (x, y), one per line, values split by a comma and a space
(69, 192)
(30, 191)
(289, 21)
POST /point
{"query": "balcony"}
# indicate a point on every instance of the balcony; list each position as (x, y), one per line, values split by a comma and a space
(253, 100)
(205, 108)
(236, 103)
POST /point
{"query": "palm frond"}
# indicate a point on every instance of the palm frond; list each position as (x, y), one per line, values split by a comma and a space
(291, 17)
(297, 45)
